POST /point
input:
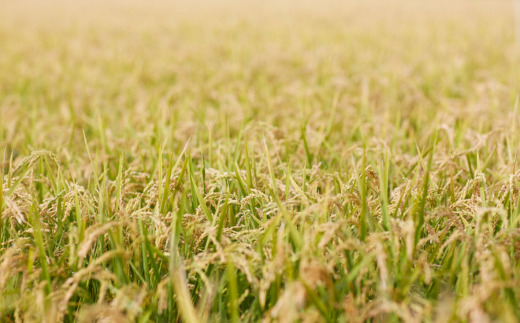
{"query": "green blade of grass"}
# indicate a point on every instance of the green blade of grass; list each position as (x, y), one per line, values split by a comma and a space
(419, 226)
(233, 291)
(201, 200)
(295, 235)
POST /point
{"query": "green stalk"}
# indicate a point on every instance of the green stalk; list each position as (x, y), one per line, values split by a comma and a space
(233, 291)
(419, 228)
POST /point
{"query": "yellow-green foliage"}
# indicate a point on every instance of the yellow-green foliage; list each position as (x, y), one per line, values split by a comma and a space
(259, 161)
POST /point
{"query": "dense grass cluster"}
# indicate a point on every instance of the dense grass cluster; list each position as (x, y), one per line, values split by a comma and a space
(246, 162)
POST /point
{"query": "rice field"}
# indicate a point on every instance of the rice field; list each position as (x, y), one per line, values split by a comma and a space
(274, 161)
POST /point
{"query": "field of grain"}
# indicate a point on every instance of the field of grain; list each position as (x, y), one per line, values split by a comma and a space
(259, 161)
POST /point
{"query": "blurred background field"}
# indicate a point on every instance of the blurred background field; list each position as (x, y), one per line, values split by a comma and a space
(344, 161)
(181, 67)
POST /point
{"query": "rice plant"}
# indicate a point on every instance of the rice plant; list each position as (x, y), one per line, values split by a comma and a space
(259, 162)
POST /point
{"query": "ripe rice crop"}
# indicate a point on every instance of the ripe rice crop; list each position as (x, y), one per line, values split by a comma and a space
(274, 161)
